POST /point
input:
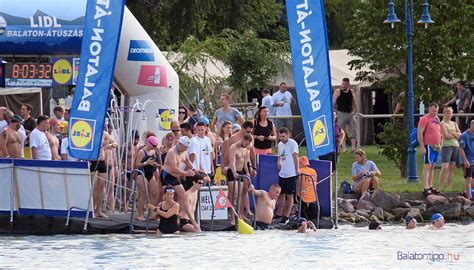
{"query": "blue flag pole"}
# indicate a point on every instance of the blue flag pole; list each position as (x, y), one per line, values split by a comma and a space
(102, 26)
(311, 71)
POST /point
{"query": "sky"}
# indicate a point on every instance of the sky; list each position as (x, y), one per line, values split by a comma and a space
(64, 9)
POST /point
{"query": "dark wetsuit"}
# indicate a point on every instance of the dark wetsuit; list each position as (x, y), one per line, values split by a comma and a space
(183, 222)
(262, 226)
(168, 225)
(148, 170)
(230, 175)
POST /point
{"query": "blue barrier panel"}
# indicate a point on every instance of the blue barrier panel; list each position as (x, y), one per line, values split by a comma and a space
(268, 175)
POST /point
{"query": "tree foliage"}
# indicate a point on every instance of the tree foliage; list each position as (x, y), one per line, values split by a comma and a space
(442, 52)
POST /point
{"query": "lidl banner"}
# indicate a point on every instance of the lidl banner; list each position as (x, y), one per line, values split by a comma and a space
(102, 27)
(47, 27)
(62, 71)
(310, 58)
(166, 116)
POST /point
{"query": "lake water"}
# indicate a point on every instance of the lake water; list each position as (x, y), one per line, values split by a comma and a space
(344, 248)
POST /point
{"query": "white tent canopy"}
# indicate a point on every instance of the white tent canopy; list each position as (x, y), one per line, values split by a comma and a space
(18, 91)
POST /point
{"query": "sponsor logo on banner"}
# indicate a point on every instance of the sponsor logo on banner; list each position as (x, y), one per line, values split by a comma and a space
(75, 70)
(140, 50)
(311, 72)
(3, 26)
(82, 133)
(62, 71)
(103, 22)
(40, 27)
(319, 132)
(151, 75)
(166, 117)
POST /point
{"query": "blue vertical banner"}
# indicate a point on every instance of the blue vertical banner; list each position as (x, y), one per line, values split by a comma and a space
(102, 26)
(311, 71)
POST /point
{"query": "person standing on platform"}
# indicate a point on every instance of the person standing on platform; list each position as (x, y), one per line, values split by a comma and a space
(39, 143)
(54, 130)
(345, 103)
(288, 167)
(282, 101)
(449, 147)
(206, 152)
(10, 142)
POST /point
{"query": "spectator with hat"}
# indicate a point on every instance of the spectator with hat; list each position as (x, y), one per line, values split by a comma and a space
(307, 182)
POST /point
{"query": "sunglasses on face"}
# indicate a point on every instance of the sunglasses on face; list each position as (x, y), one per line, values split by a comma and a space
(176, 130)
(182, 112)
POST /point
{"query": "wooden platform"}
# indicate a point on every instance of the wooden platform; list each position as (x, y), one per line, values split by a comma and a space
(115, 223)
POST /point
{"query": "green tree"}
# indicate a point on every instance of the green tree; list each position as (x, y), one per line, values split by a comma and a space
(441, 52)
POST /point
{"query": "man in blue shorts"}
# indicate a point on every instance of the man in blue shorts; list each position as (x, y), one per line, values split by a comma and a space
(466, 149)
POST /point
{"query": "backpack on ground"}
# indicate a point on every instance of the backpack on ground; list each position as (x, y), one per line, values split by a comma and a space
(346, 187)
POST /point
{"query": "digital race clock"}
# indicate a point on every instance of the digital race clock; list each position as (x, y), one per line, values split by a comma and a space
(28, 75)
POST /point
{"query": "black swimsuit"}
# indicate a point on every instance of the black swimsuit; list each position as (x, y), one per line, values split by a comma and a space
(148, 170)
(168, 225)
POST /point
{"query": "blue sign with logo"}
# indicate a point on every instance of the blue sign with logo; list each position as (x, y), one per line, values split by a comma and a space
(102, 27)
(140, 50)
(41, 27)
(311, 70)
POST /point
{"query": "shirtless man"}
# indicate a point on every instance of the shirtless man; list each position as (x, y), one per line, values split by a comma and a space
(177, 166)
(100, 166)
(10, 143)
(176, 130)
(265, 205)
(54, 129)
(247, 128)
(238, 165)
(184, 222)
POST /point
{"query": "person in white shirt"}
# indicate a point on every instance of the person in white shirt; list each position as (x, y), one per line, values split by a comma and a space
(267, 101)
(282, 101)
(288, 167)
(206, 153)
(39, 144)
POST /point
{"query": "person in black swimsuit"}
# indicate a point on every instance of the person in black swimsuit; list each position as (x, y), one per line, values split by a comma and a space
(146, 162)
(168, 211)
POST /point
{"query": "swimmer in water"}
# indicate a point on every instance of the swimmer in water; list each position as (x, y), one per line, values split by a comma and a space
(304, 225)
(410, 222)
(437, 221)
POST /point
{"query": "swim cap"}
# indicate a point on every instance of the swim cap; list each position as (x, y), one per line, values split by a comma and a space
(184, 140)
(301, 220)
(169, 190)
(64, 127)
(152, 140)
(236, 127)
(436, 217)
(374, 225)
(304, 161)
(409, 219)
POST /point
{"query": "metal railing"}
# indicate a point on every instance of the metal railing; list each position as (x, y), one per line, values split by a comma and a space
(300, 197)
(254, 222)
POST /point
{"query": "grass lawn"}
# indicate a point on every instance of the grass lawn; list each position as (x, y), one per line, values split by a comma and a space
(391, 181)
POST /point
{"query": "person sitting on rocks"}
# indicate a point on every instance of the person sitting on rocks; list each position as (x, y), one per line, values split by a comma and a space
(437, 221)
(304, 224)
(364, 174)
(410, 222)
